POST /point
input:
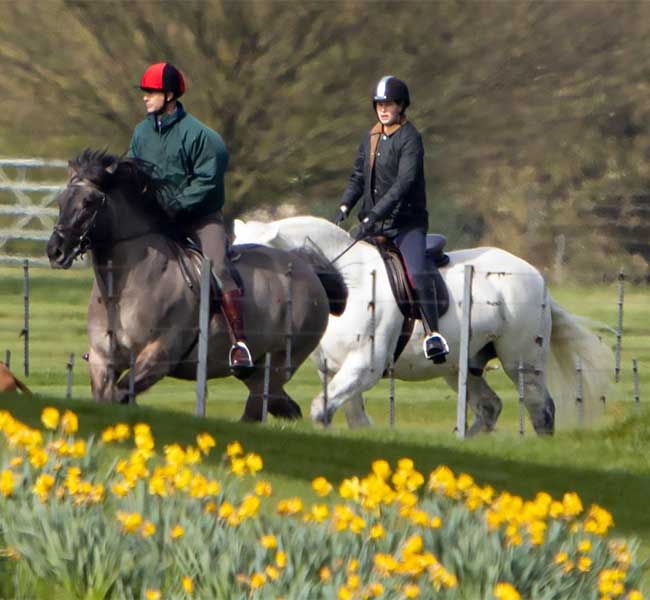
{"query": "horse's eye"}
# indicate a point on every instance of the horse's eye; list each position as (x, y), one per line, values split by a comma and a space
(88, 200)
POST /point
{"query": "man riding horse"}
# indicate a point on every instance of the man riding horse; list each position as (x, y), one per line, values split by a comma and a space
(388, 174)
(191, 159)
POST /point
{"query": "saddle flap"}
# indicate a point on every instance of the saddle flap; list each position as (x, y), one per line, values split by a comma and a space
(401, 284)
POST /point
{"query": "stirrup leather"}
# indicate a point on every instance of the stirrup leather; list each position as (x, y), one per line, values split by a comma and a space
(435, 347)
(241, 346)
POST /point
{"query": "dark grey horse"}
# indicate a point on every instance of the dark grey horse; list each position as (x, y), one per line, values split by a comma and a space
(111, 206)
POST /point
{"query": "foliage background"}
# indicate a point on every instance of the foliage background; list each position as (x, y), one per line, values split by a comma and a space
(534, 114)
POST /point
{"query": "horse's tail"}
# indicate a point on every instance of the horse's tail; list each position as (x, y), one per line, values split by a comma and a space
(22, 387)
(8, 380)
(329, 276)
(573, 341)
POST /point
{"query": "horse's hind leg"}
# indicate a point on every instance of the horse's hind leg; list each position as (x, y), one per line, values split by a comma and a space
(280, 404)
(537, 399)
(485, 404)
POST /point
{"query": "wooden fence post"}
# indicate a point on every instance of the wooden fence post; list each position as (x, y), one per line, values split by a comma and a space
(635, 379)
(8, 358)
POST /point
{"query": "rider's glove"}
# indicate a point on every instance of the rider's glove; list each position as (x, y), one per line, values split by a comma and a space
(367, 226)
(341, 214)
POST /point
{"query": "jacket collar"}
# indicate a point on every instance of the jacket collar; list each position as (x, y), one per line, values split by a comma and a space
(388, 129)
(167, 121)
(375, 134)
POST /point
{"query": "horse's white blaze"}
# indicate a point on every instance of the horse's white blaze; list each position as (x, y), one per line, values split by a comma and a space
(507, 311)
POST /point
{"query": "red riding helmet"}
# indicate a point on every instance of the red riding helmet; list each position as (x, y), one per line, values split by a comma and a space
(163, 77)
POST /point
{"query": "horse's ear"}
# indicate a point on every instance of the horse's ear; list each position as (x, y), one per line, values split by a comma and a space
(71, 169)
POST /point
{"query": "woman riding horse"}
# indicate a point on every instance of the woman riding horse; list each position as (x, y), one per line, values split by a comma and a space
(389, 174)
(191, 159)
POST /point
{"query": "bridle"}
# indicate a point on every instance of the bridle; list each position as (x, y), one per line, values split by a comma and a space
(83, 242)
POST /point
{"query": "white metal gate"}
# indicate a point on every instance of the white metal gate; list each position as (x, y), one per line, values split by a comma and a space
(26, 212)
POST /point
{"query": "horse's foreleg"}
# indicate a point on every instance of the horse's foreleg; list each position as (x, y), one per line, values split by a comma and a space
(151, 365)
(355, 412)
(346, 387)
(103, 388)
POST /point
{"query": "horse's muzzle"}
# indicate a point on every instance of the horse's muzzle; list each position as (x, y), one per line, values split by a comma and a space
(56, 252)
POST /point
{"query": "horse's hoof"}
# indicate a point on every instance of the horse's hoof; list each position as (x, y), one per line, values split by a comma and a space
(324, 418)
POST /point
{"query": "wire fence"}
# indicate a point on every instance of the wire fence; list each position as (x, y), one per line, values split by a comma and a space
(364, 333)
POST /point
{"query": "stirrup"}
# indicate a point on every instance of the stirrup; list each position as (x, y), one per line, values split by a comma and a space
(435, 348)
(248, 362)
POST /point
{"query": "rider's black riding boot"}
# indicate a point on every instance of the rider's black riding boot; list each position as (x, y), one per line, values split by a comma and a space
(241, 363)
(435, 346)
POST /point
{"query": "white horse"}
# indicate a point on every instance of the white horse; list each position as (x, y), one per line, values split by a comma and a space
(513, 318)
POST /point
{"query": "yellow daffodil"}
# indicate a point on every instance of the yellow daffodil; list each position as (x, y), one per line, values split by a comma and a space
(188, 584)
(263, 488)
(50, 417)
(257, 580)
(7, 482)
(234, 449)
(377, 531)
(321, 486)
(69, 422)
(177, 532)
(254, 463)
(269, 541)
(205, 442)
(131, 522)
(505, 591)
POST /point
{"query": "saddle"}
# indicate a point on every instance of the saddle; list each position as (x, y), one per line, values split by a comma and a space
(190, 260)
(404, 289)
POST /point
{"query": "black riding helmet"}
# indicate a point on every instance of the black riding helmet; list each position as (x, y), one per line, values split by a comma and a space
(390, 88)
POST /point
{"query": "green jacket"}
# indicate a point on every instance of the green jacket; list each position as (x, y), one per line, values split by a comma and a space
(189, 157)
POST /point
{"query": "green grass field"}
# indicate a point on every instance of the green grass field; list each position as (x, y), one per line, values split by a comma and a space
(608, 464)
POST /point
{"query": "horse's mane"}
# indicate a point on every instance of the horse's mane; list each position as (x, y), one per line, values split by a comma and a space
(132, 175)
